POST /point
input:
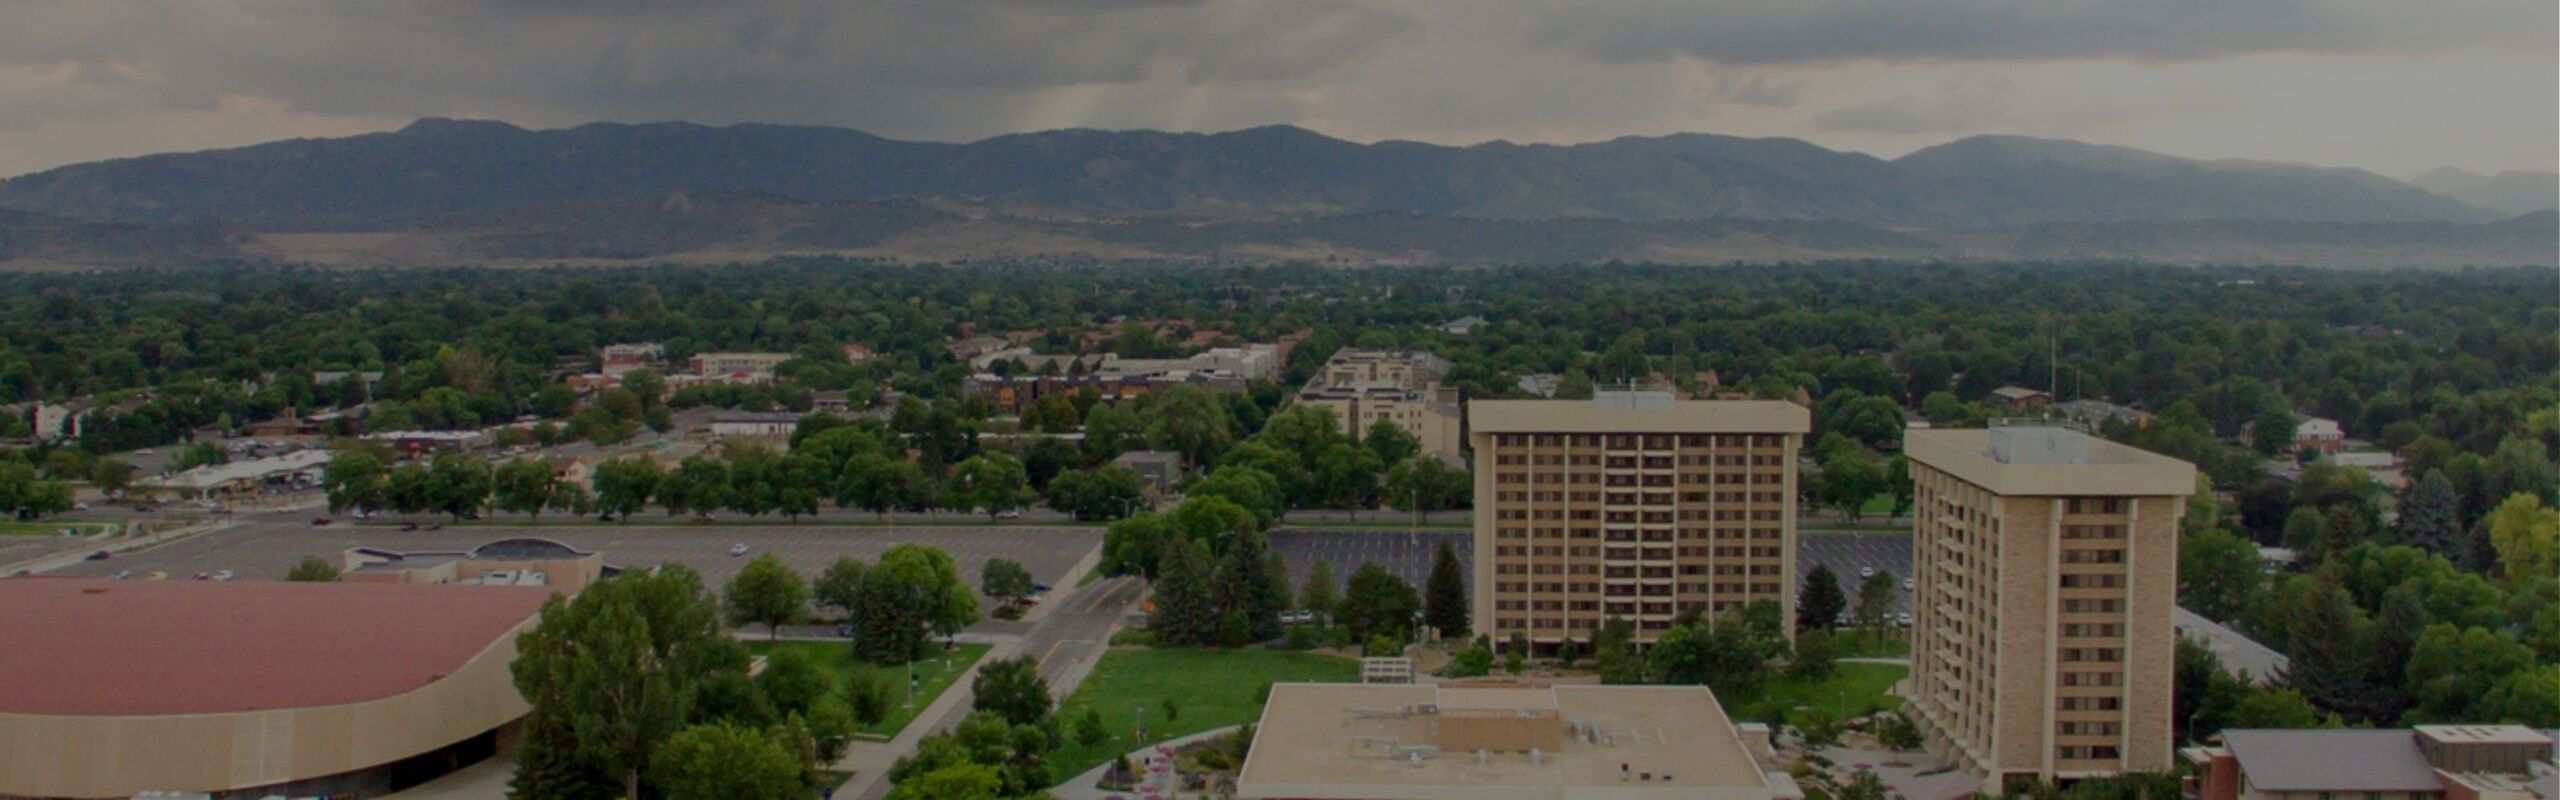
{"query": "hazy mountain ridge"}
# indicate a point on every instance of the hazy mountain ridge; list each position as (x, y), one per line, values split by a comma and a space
(436, 167)
(2510, 192)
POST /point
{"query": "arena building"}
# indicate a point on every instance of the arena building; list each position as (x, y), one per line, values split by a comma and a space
(253, 688)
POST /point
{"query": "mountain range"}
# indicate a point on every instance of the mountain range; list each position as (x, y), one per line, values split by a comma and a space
(442, 189)
(440, 166)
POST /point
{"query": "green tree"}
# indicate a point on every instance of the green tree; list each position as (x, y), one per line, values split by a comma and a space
(1424, 485)
(2275, 708)
(610, 674)
(1108, 492)
(1389, 442)
(1876, 598)
(1004, 579)
(699, 485)
(2525, 697)
(1089, 729)
(1816, 654)
(2272, 431)
(989, 482)
(2454, 668)
(2526, 535)
(957, 781)
(1319, 593)
(312, 570)
(113, 477)
(1378, 604)
(1186, 597)
(624, 485)
(721, 761)
(1613, 649)
(840, 586)
(2218, 573)
(524, 486)
(793, 682)
(458, 484)
(1013, 689)
(354, 480)
(1188, 419)
(1445, 602)
(766, 592)
(913, 590)
(2431, 518)
(1251, 591)
(1821, 604)
(1851, 475)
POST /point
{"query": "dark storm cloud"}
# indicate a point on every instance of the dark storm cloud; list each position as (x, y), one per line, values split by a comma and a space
(82, 79)
(1798, 31)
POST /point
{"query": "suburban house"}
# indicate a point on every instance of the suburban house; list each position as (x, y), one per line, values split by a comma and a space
(2019, 398)
(2315, 434)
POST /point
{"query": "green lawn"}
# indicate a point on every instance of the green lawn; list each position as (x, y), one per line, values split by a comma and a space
(1855, 643)
(11, 527)
(1212, 689)
(1855, 690)
(933, 675)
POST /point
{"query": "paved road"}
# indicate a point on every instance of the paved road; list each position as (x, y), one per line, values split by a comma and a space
(1847, 553)
(265, 546)
(1066, 643)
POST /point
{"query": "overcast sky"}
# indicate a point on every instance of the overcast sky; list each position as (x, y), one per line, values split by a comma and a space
(2396, 86)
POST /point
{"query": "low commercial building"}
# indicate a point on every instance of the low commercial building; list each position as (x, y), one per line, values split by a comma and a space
(617, 359)
(253, 688)
(521, 561)
(1385, 741)
(749, 424)
(2020, 398)
(418, 442)
(299, 469)
(2456, 762)
(738, 366)
(1159, 470)
(2045, 569)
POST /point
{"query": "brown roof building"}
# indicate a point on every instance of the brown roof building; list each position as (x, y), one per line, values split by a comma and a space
(1424, 742)
(109, 689)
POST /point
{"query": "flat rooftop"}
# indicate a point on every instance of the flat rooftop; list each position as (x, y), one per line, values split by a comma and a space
(87, 647)
(1353, 741)
(1613, 415)
(2104, 468)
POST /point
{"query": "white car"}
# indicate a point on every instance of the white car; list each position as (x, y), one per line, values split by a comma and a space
(738, 549)
(1907, 584)
(1903, 619)
(222, 575)
(1866, 572)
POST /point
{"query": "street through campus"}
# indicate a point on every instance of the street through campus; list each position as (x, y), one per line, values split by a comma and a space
(263, 546)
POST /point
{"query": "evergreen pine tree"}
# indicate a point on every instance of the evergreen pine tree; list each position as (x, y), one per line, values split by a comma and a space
(1186, 600)
(2431, 518)
(1819, 606)
(1445, 595)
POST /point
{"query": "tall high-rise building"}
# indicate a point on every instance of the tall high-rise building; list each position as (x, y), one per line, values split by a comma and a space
(1633, 505)
(2046, 564)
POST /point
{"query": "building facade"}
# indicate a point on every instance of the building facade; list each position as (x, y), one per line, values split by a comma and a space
(1365, 387)
(1633, 505)
(737, 364)
(2046, 570)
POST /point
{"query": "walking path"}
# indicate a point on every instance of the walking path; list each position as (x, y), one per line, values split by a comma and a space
(1086, 786)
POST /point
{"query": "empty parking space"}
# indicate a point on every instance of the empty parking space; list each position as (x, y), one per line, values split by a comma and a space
(1849, 554)
(265, 550)
(1408, 555)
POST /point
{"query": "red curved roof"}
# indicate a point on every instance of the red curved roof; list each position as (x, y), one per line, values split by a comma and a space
(140, 648)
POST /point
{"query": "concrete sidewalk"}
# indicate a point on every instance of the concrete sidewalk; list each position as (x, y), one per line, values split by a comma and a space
(870, 761)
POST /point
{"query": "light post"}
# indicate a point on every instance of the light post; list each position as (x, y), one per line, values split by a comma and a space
(1141, 736)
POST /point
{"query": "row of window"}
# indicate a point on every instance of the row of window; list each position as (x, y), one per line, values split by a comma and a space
(1662, 441)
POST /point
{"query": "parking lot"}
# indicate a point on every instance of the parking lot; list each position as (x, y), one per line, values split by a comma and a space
(1408, 555)
(265, 549)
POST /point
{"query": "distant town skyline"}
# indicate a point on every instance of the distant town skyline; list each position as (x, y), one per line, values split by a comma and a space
(2396, 88)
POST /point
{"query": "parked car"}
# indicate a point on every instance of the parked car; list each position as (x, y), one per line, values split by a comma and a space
(319, 521)
(1907, 584)
(1866, 572)
(222, 575)
(101, 555)
(204, 576)
(1026, 601)
(122, 574)
(1902, 619)
(408, 526)
(738, 549)
(159, 575)
(1039, 588)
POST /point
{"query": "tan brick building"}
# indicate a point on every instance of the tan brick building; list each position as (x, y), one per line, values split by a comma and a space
(2046, 564)
(1364, 387)
(1631, 504)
